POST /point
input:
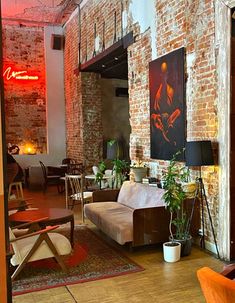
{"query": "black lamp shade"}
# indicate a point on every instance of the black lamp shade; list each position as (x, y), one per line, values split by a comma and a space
(198, 153)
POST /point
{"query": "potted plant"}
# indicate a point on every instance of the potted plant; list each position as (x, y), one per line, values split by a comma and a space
(174, 196)
(100, 172)
(139, 170)
(119, 166)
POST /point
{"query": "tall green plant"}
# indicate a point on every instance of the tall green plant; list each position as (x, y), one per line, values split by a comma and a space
(174, 197)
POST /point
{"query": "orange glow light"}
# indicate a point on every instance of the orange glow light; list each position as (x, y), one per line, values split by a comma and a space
(29, 149)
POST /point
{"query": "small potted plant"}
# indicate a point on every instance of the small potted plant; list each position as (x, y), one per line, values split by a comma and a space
(139, 170)
(174, 196)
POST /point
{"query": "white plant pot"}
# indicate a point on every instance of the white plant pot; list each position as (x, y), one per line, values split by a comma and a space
(139, 173)
(171, 253)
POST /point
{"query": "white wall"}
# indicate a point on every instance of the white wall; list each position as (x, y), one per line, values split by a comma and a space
(56, 136)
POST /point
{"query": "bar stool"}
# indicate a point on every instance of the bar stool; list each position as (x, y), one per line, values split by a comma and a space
(16, 189)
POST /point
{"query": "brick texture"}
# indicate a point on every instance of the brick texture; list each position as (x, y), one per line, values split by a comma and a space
(188, 24)
(23, 49)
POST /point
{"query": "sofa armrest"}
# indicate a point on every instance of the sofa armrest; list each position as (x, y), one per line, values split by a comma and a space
(150, 225)
(105, 195)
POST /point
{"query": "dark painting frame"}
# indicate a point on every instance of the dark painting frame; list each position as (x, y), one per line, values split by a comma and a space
(167, 105)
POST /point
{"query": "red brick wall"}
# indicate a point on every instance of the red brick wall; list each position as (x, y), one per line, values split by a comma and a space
(139, 56)
(192, 26)
(83, 105)
(99, 12)
(23, 48)
(92, 123)
(73, 99)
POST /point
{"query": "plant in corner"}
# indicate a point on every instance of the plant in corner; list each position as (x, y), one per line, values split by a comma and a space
(174, 197)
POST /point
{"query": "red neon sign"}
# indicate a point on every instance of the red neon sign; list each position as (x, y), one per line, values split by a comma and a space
(18, 75)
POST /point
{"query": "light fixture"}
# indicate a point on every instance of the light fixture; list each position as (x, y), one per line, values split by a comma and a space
(199, 153)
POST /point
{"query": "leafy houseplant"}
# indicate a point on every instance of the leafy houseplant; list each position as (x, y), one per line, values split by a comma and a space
(119, 166)
(101, 171)
(174, 196)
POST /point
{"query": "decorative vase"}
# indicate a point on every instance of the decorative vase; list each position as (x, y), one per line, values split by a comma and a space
(139, 173)
(171, 251)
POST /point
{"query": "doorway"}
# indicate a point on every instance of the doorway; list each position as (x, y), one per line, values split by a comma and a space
(115, 115)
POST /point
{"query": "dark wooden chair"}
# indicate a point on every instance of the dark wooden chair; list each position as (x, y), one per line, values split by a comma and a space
(51, 177)
(68, 161)
(75, 169)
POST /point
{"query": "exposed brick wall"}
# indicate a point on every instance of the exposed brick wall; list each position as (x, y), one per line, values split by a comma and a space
(188, 24)
(83, 105)
(74, 139)
(139, 56)
(23, 49)
(92, 122)
(99, 12)
(192, 26)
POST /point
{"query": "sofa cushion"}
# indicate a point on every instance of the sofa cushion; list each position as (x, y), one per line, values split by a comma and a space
(112, 218)
(138, 195)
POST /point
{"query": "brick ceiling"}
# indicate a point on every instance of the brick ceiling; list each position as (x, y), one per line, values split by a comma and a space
(38, 11)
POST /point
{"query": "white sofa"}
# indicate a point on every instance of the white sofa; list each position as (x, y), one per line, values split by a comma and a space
(136, 214)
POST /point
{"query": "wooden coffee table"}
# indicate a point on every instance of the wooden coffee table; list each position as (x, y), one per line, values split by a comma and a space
(55, 216)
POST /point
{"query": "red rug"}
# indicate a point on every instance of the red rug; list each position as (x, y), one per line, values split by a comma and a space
(92, 259)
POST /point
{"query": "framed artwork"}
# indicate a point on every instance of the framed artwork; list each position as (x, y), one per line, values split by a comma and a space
(167, 105)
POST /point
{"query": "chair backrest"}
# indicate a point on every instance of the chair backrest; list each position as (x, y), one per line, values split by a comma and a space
(68, 161)
(215, 287)
(75, 169)
(44, 170)
(74, 187)
(95, 169)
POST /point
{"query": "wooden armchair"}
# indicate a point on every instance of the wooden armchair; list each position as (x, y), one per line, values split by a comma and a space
(36, 245)
(218, 287)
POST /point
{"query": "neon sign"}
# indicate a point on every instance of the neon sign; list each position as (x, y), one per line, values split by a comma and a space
(9, 74)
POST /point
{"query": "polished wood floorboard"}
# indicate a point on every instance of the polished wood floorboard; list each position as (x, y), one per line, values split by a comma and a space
(160, 282)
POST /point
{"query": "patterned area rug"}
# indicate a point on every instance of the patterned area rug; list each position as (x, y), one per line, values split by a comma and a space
(92, 259)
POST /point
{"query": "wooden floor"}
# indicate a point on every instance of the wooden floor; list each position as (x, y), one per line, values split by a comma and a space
(160, 282)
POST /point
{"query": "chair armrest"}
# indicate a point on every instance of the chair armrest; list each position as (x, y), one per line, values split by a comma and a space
(150, 225)
(23, 225)
(105, 195)
(19, 207)
(39, 232)
(229, 271)
(18, 203)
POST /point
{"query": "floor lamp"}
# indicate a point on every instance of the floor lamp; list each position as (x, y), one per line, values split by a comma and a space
(199, 153)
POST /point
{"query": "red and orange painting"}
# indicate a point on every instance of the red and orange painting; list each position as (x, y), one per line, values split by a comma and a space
(167, 105)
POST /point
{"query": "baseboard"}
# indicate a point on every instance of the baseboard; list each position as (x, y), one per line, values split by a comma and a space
(208, 246)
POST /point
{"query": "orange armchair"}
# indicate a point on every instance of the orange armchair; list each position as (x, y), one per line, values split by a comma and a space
(217, 287)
